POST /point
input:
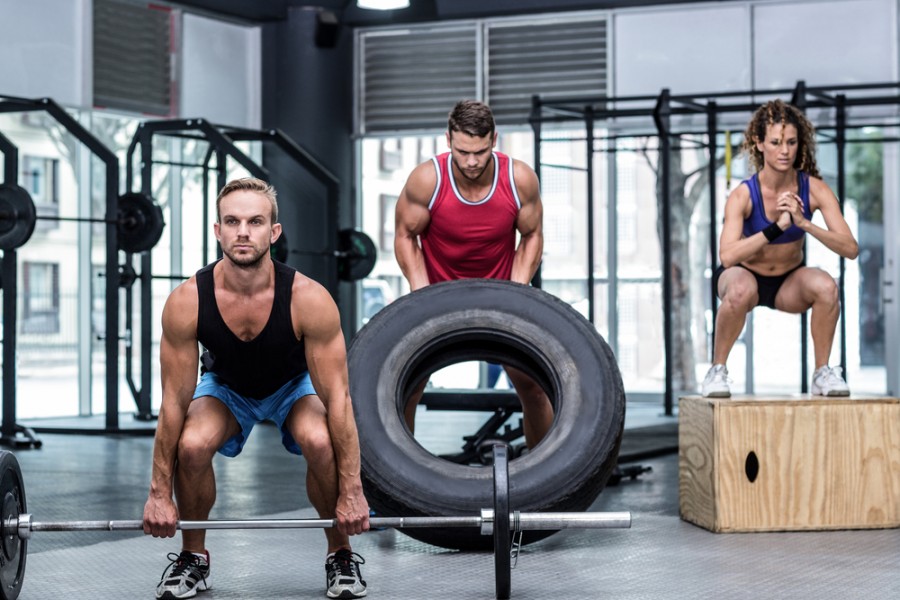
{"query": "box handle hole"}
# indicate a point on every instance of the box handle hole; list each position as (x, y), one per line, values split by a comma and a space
(751, 466)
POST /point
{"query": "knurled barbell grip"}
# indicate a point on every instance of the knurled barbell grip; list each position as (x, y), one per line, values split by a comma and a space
(25, 525)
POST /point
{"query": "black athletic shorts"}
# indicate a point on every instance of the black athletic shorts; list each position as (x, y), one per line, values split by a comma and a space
(767, 286)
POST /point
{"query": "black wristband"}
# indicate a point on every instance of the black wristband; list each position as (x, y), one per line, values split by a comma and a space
(772, 231)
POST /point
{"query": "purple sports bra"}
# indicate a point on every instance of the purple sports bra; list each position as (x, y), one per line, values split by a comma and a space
(757, 220)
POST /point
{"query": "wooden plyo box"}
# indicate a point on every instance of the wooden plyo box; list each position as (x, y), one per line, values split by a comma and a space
(789, 463)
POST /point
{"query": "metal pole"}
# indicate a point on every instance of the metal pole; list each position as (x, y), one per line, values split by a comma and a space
(9, 269)
(144, 412)
(535, 120)
(10, 285)
(589, 147)
(24, 526)
(711, 133)
(798, 99)
(841, 144)
(662, 119)
(612, 245)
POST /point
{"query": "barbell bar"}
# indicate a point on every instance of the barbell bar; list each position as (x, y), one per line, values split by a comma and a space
(139, 224)
(356, 256)
(17, 525)
(25, 525)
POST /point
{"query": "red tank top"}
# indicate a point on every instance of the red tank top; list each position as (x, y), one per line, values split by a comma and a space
(471, 240)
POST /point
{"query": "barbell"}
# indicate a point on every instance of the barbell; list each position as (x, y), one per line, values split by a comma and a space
(17, 525)
(356, 253)
(356, 256)
(139, 224)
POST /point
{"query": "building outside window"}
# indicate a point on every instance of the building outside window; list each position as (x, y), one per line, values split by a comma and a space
(40, 178)
(40, 295)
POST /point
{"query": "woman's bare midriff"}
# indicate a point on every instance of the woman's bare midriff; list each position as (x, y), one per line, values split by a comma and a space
(776, 259)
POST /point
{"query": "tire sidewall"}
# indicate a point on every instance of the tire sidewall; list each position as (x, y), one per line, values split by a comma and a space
(579, 450)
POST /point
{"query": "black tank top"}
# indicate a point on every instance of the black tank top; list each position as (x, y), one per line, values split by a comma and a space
(256, 368)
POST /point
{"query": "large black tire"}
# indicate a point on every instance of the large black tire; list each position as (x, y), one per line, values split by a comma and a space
(503, 322)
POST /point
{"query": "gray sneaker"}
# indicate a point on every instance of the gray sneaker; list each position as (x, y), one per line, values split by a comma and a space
(715, 384)
(184, 577)
(342, 576)
(827, 381)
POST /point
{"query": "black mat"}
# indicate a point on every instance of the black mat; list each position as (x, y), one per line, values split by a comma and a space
(646, 442)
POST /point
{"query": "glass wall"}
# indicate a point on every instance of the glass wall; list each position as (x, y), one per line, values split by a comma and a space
(61, 269)
(61, 366)
(59, 324)
(628, 309)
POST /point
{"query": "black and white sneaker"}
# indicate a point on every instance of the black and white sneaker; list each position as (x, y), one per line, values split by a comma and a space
(342, 576)
(184, 577)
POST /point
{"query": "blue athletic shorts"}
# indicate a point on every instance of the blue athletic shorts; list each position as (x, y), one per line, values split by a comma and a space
(249, 411)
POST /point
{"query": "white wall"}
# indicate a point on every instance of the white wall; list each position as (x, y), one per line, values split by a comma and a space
(221, 68)
(757, 44)
(825, 42)
(45, 50)
(685, 49)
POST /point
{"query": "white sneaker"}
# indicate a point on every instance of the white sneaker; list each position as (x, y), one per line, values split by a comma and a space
(827, 381)
(715, 385)
(184, 577)
(342, 576)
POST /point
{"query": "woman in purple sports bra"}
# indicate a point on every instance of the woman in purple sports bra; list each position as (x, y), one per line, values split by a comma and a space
(761, 248)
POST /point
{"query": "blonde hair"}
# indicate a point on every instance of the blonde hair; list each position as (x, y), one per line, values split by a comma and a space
(249, 184)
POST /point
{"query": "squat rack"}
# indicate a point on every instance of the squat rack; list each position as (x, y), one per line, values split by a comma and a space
(10, 430)
(661, 108)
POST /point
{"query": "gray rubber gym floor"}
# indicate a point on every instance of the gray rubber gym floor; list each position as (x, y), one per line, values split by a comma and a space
(98, 477)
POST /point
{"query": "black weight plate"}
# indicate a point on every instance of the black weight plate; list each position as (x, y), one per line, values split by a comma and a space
(14, 549)
(502, 545)
(17, 216)
(357, 255)
(140, 222)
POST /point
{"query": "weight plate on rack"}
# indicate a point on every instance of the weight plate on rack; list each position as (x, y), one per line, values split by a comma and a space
(17, 216)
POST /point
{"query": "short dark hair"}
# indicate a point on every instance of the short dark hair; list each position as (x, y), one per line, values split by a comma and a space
(471, 117)
(249, 184)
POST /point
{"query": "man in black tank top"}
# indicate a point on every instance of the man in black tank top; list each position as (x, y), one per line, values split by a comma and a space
(274, 351)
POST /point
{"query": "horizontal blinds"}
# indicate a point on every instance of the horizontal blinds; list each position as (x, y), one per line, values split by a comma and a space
(553, 60)
(132, 57)
(411, 79)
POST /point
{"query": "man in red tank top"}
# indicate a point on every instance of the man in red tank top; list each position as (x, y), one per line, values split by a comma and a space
(457, 218)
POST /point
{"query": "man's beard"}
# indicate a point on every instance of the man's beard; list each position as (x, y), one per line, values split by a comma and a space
(480, 173)
(246, 262)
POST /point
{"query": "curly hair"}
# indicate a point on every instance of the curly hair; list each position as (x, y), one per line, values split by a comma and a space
(778, 112)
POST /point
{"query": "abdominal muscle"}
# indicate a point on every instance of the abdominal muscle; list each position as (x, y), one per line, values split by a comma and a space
(776, 259)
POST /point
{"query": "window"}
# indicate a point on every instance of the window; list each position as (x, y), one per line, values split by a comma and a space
(40, 178)
(388, 208)
(40, 312)
(391, 157)
(427, 148)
